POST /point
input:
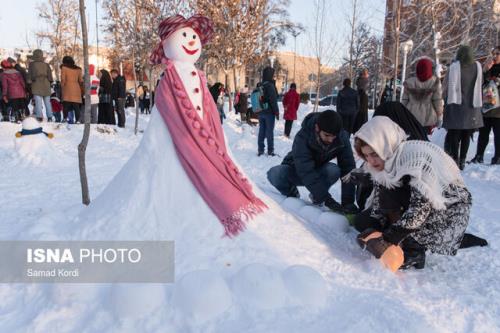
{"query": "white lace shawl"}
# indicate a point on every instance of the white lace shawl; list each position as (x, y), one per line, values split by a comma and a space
(431, 170)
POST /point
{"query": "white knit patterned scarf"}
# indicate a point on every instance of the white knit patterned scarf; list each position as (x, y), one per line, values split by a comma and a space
(431, 170)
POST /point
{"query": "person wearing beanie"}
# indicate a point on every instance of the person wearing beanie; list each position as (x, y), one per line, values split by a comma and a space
(40, 79)
(320, 140)
(269, 114)
(423, 95)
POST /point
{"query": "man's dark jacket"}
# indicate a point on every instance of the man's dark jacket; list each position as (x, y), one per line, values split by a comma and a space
(308, 155)
(348, 102)
(118, 89)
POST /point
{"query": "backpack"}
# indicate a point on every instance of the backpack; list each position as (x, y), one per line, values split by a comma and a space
(257, 100)
(490, 96)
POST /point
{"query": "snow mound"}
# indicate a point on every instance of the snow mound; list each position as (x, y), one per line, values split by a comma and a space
(35, 149)
(305, 285)
(260, 286)
(202, 295)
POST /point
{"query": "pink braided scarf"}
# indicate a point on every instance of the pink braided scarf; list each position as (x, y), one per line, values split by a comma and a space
(201, 149)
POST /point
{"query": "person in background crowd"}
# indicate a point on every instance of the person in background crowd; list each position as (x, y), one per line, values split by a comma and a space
(40, 79)
(140, 97)
(268, 116)
(130, 102)
(362, 84)
(56, 107)
(419, 201)
(241, 103)
(13, 90)
(106, 114)
(463, 96)
(320, 140)
(72, 90)
(3, 105)
(146, 98)
(291, 102)
(118, 93)
(24, 73)
(348, 106)
(491, 118)
(423, 96)
(94, 97)
(217, 91)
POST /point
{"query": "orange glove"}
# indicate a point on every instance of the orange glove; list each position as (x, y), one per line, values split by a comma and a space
(390, 255)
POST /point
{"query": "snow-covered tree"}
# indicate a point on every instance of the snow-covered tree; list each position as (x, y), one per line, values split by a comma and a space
(322, 44)
(60, 29)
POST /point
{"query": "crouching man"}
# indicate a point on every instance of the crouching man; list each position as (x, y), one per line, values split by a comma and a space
(320, 140)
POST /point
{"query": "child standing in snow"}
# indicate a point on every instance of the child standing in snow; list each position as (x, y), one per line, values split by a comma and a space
(56, 107)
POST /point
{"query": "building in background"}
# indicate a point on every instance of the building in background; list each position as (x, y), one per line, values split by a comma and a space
(283, 63)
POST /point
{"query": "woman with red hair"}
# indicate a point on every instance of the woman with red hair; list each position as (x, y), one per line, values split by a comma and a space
(422, 95)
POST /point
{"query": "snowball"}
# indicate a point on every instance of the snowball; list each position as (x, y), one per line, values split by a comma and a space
(310, 213)
(260, 286)
(305, 285)
(293, 204)
(334, 222)
(136, 300)
(202, 295)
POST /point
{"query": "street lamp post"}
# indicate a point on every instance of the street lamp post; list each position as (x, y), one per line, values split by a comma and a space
(294, 34)
(407, 46)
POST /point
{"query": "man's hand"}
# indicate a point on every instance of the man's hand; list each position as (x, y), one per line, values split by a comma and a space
(350, 208)
(333, 205)
(5, 99)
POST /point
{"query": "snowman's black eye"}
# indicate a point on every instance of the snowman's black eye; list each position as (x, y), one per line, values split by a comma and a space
(194, 36)
(184, 34)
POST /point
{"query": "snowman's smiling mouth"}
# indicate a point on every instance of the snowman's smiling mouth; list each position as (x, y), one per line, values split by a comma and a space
(190, 52)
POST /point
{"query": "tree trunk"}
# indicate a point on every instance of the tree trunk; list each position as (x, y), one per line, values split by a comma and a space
(136, 126)
(318, 80)
(351, 47)
(228, 91)
(82, 147)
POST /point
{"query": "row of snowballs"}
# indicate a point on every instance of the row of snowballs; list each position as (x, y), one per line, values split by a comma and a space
(204, 295)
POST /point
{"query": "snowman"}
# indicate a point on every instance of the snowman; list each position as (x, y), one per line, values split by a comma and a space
(32, 143)
(182, 171)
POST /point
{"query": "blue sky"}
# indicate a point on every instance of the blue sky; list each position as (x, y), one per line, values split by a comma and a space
(21, 21)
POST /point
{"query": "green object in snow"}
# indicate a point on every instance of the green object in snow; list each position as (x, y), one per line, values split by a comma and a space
(350, 218)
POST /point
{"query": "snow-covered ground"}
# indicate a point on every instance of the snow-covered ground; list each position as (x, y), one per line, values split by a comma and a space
(40, 193)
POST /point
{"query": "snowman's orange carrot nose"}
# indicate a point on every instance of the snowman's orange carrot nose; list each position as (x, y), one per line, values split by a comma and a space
(191, 43)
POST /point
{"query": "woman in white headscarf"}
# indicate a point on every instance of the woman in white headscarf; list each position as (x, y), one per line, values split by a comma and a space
(419, 201)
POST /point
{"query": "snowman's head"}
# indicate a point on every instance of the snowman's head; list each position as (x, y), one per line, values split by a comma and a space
(183, 45)
(181, 39)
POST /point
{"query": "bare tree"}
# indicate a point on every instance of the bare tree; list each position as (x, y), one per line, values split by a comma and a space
(82, 147)
(61, 30)
(322, 43)
(352, 40)
(246, 32)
